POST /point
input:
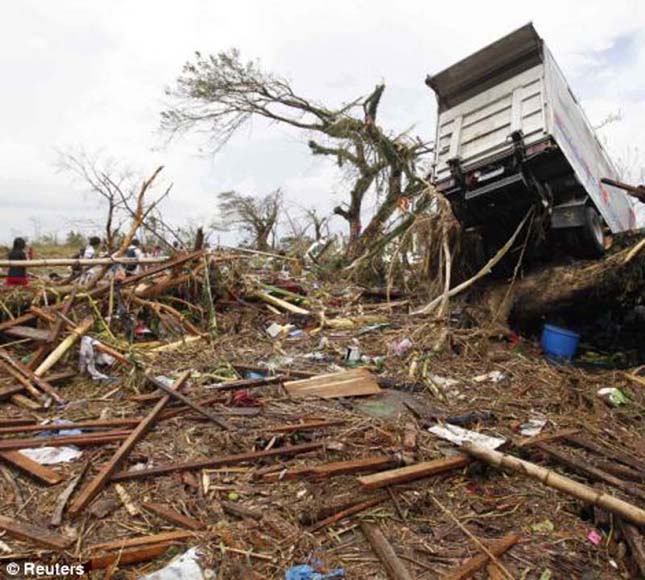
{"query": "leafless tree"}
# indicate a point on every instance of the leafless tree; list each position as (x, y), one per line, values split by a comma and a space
(114, 183)
(220, 93)
(255, 216)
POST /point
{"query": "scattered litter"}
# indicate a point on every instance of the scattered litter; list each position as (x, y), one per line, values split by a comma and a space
(614, 396)
(306, 572)
(89, 358)
(459, 436)
(52, 455)
(401, 348)
(543, 527)
(493, 377)
(352, 354)
(594, 537)
(532, 427)
(184, 567)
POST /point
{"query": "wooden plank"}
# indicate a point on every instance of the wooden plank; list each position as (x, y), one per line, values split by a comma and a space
(305, 426)
(125, 558)
(81, 440)
(14, 422)
(102, 478)
(547, 437)
(335, 468)
(42, 384)
(34, 534)
(590, 471)
(122, 543)
(240, 511)
(89, 424)
(359, 382)
(173, 517)
(217, 461)
(414, 472)
(350, 511)
(613, 454)
(24, 318)
(29, 332)
(478, 562)
(188, 402)
(56, 354)
(7, 392)
(394, 567)
(36, 470)
(636, 542)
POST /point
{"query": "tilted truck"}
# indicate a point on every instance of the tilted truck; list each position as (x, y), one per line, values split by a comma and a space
(511, 135)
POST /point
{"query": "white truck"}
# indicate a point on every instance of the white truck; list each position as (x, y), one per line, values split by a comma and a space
(511, 134)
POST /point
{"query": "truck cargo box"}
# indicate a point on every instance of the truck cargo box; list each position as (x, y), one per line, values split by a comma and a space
(510, 132)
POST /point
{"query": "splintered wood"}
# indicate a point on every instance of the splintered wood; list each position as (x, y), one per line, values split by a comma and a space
(354, 383)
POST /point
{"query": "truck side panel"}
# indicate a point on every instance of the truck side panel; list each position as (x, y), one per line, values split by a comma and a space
(480, 127)
(570, 129)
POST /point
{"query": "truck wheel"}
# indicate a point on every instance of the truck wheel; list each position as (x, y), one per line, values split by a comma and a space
(592, 236)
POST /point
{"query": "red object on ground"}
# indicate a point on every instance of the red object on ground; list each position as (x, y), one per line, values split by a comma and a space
(16, 281)
(243, 398)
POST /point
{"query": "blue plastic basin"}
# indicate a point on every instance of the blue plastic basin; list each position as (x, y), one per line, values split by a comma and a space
(559, 343)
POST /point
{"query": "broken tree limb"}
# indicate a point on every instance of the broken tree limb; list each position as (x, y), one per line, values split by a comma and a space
(613, 454)
(564, 484)
(186, 401)
(103, 477)
(64, 346)
(217, 461)
(476, 563)
(34, 534)
(487, 269)
(395, 568)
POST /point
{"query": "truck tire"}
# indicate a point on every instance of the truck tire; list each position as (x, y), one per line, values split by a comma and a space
(592, 236)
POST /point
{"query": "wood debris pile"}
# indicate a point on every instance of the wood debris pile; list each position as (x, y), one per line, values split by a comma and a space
(271, 419)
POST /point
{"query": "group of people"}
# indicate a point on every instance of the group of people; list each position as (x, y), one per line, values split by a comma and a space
(17, 274)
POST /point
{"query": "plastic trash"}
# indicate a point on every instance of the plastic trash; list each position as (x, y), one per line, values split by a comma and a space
(613, 396)
(459, 436)
(352, 354)
(89, 358)
(403, 347)
(532, 427)
(594, 537)
(184, 567)
(493, 377)
(559, 343)
(52, 455)
(307, 572)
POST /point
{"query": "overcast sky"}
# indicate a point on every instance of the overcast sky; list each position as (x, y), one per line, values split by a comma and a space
(79, 74)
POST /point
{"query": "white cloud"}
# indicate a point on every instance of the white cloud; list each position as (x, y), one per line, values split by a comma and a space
(86, 74)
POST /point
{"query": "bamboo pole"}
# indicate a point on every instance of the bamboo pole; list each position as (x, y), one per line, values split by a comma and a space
(64, 346)
(107, 261)
(564, 484)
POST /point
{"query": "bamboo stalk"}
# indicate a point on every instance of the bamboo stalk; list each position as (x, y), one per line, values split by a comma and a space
(64, 346)
(56, 262)
(564, 484)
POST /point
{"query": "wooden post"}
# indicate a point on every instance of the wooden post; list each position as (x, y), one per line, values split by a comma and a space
(476, 563)
(99, 482)
(394, 567)
(186, 401)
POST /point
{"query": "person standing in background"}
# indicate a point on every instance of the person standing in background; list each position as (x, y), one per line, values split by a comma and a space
(134, 251)
(17, 275)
